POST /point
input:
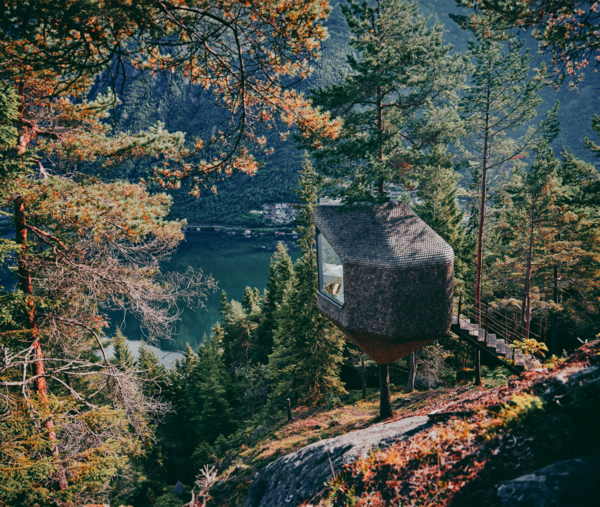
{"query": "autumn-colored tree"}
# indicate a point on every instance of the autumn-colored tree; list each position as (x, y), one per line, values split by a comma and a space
(83, 247)
(565, 30)
(245, 55)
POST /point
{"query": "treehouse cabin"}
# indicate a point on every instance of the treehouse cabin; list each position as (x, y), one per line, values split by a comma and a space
(385, 278)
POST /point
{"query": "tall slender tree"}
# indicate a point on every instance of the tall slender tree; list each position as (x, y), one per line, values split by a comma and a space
(502, 97)
(280, 276)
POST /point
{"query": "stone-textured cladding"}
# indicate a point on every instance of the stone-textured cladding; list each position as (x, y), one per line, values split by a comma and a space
(398, 277)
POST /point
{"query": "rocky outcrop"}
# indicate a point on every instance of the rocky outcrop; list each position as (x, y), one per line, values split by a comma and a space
(569, 483)
(301, 475)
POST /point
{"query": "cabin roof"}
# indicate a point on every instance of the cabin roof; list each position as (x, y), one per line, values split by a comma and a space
(387, 236)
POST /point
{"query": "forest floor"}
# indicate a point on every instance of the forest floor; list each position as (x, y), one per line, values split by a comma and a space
(311, 424)
(481, 435)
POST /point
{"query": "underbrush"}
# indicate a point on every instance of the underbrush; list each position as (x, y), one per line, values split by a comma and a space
(268, 438)
(480, 440)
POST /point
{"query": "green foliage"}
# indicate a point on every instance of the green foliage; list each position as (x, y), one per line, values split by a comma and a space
(281, 272)
(215, 391)
(438, 208)
(530, 346)
(308, 350)
(396, 102)
(123, 357)
(26, 458)
(521, 407)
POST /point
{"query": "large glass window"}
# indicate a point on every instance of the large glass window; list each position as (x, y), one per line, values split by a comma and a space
(331, 270)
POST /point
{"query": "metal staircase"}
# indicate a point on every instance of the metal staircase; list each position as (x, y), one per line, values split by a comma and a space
(494, 336)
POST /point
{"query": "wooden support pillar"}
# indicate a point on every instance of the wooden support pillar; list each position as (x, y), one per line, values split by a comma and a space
(477, 366)
(385, 397)
(364, 377)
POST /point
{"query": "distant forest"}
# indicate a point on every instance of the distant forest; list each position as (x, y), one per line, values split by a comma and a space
(186, 109)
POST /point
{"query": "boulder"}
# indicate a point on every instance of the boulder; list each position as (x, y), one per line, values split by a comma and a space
(299, 476)
(568, 483)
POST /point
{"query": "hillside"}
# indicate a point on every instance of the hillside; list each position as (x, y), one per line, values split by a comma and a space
(186, 109)
(476, 439)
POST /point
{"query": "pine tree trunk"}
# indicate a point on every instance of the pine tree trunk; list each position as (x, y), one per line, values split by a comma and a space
(26, 286)
(412, 375)
(526, 302)
(554, 336)
(364, 377)
(381, 182)
(385, 397)
(477, 366)
(482, 218)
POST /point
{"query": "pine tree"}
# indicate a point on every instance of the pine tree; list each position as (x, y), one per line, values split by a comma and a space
(396, 103)
(224, 306)
(215, 391)
(280, 276)
(548, 240)
(306, 360)
(123, 357)
(502, 97)
(438, 208)
(251, 297)
(150, 369)
(239, 329)
(530, 222)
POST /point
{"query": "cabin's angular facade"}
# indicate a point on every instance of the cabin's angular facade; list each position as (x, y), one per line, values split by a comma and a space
(385, 278)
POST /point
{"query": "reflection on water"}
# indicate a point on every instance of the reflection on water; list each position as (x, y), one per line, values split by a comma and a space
(234, 261)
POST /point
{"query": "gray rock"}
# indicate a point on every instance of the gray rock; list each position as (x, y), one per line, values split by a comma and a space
(569, 483)
(301, 475)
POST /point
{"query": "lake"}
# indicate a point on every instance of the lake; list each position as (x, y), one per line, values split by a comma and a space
(235, 262)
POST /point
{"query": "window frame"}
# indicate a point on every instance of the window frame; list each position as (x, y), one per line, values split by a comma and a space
(320, 271)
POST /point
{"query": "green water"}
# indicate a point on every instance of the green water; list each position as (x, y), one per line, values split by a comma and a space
(235, 263)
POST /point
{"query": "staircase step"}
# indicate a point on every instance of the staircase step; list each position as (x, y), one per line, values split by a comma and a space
(481, 335)
(501, 347)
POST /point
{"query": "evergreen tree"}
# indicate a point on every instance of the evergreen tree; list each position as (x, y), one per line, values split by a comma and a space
(548, 238)
(224, 306)
(150, 369)
(530, 221)
(251, 297)
(238, 337)
(396, 103)
(123, 358)
(280, 276)
(215, 392)
(306, 361)
(502, 97)
(438, 208)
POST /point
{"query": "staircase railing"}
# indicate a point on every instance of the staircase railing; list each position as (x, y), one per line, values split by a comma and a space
(492, 320)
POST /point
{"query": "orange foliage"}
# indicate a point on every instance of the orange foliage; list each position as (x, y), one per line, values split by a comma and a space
(245, 52)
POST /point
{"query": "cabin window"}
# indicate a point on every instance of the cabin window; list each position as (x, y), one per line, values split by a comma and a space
(331, 270)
